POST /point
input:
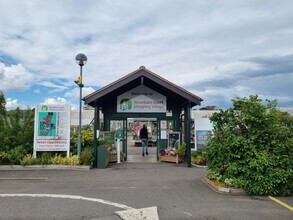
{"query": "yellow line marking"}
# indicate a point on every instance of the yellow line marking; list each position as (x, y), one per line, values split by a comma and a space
(281, 203)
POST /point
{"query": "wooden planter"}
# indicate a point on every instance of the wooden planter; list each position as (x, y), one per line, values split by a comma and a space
(113, 158)
(169, 158)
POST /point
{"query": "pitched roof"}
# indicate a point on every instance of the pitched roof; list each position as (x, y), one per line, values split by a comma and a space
(136, 75)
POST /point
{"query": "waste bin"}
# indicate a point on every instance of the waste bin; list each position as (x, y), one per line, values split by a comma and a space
(103, 160)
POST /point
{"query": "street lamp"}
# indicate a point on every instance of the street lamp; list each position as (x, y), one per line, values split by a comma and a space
(81, 60)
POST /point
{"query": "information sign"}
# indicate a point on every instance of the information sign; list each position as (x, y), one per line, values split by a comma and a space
(52, 128)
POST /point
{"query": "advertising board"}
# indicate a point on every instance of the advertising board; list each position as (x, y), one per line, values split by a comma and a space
(52, 128)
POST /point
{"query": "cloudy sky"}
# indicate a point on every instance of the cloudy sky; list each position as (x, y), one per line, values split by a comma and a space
(215, 49)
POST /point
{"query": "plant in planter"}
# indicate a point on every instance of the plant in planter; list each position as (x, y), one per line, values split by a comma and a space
(181, 150)
(173, 154)
(113, 155)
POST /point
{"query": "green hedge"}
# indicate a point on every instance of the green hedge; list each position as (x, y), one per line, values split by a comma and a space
(252, 148)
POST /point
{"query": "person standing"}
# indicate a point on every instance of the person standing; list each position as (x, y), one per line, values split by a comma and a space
(143, 135)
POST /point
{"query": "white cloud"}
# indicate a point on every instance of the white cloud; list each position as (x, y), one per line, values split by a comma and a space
(51, 85)
(11, 103)
(74, 93)
(15, 77)
(54, 101)
(58, 101)
(37, 91)
(184, 43)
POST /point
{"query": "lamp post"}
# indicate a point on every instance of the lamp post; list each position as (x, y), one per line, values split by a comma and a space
(81, 60)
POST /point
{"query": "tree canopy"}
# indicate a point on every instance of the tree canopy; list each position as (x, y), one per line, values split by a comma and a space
(16, 133)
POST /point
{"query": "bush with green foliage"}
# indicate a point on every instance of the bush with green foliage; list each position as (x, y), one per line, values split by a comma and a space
(30, 160)
(181, 150)
(199, 157)
(16, 155)
(86, 157)
(87, 138)
(45, 158)
(59, 160)
(251, 148)
(3, 158)
(17, 129)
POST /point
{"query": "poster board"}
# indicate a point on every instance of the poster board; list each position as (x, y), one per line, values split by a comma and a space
(163, 129)
(203, 131)
(202, 139)
(52, 128)
(174, 140)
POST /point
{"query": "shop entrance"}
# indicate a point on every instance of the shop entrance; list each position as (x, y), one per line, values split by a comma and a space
(159, 130)
(134, 146)
(144, 97)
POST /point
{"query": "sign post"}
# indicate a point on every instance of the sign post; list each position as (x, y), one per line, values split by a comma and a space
(119, 136)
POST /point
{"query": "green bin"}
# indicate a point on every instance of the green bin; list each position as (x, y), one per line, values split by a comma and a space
(102, 161)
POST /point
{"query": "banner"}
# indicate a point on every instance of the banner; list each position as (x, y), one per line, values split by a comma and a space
(141, 99)
(202, 139)
(52, 128)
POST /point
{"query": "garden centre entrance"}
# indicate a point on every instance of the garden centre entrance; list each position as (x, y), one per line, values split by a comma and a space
(144, 97)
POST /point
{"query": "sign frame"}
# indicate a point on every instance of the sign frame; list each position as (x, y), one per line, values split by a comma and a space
(141, 99)
(172, 139)
(52, 128)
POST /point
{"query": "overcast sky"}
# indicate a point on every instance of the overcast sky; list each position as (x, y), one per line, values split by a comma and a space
(215, 49)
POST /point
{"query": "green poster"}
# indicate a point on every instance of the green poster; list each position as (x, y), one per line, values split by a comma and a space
(47, 124)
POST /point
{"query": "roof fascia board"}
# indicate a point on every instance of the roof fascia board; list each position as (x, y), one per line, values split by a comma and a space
(142, 71)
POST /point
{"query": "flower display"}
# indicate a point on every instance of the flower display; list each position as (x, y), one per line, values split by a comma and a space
(169, 152)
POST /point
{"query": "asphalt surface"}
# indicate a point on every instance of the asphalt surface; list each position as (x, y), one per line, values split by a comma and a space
(176, 190)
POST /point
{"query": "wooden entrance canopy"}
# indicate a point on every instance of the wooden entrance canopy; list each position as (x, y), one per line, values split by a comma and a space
(178, 99)
(147, 78)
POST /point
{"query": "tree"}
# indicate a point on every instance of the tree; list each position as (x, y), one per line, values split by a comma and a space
(2, 104)
(252, 148)
(212, 107)
(2, 118)
(20, 130)
(285, 118)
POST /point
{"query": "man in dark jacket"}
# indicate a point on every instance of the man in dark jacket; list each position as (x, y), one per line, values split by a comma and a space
(143, 135)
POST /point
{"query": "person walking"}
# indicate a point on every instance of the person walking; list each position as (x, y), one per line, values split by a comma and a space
(143, 135)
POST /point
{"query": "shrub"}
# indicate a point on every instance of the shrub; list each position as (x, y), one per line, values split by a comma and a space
(29, 160)
(16, 154)
(199, 157)
(45, 158)
(90, 149)
(59, 160)
(86, 157)
(181, 150)
(251, 148)
(3, 158)
(72, 160)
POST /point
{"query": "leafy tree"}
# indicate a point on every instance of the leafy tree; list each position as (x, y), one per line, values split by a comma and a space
(285, 118)
(19, 130)
(212, 107)
(252, 148)
(2, 104)
(2, 118)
